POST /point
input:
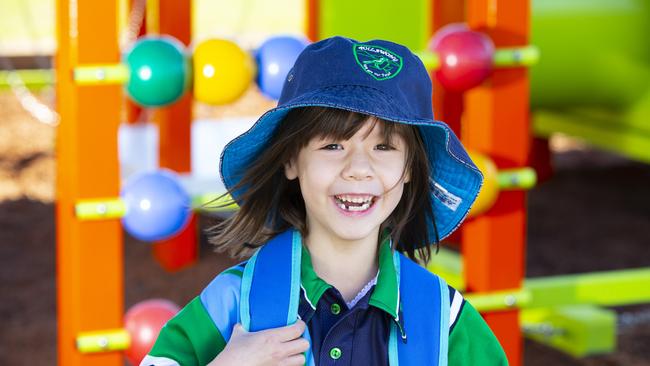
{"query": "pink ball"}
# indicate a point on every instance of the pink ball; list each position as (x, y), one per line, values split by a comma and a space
(143, 321)
(466, 56)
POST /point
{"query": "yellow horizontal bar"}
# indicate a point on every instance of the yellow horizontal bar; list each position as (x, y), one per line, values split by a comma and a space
(103, 341)
(100, 209)
(430, 59)
(522, 178)
(500, 300)
(33, 79)
(503, 57)
(213, 202)
(100, 74)
(519, 56)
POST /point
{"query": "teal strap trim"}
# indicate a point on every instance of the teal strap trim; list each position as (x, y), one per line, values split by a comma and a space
(309, 355)
(393, 359)
(396, 262)
(246, 282)
(444, 322)
(294, 296)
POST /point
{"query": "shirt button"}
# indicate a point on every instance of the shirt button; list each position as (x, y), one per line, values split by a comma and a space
(336, 309)
(335, 353)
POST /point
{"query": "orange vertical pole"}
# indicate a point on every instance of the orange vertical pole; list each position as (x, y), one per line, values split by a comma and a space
(447, 105)
(89, 253)
(312, 25)
(496, 123)
(174, 18)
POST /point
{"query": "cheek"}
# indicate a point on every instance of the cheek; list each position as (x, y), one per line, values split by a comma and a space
(314, 182)
(391, 172)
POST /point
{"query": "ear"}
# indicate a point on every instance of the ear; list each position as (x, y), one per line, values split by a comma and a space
(407, 176)
(290, 170)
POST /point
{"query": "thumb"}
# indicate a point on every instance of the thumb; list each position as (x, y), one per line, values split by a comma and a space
(238, 329)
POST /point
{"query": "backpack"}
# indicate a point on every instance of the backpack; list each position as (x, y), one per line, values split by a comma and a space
(270, 291)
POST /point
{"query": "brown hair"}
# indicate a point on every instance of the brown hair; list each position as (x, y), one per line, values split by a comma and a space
(270, 203)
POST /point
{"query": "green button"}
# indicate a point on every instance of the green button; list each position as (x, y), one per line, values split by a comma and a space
(335, 353)
(336, 309)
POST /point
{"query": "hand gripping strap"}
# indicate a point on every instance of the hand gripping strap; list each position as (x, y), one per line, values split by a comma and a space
(425, 308)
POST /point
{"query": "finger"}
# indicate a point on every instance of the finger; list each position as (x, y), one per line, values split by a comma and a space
(296, 360)
(296, 346)
(288, 332)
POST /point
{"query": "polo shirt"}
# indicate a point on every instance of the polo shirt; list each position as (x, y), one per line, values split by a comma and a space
(339, 336)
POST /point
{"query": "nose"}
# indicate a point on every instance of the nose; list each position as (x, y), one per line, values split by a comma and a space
(358, 166)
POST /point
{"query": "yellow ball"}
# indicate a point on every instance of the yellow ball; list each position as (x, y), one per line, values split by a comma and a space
(222, 71)
(490, 190)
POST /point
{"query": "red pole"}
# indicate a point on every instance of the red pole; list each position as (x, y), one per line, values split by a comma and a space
(174, 122)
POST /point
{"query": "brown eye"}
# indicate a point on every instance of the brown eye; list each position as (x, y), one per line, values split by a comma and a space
(385, 147)
(332, 147)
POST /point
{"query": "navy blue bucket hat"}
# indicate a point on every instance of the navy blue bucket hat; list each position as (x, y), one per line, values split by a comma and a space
(377, 78)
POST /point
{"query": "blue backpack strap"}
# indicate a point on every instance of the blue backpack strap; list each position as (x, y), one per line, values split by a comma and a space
(425, 303)
(270, 286)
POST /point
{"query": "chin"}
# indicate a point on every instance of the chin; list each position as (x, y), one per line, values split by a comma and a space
(353, 235)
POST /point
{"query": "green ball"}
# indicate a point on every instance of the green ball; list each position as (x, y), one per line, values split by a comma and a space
(160, 71)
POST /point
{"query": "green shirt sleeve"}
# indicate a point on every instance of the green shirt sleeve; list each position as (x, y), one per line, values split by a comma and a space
(190, 338)
(471, 341)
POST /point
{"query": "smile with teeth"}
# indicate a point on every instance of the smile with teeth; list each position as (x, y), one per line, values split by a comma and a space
(354, 203)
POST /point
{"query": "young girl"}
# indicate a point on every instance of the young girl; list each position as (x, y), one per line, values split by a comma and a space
(348, 172)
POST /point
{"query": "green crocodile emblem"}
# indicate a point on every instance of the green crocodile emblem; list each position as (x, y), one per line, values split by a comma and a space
(378, 62)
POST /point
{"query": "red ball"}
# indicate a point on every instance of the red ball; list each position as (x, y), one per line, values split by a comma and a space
(466, 56)
(143, 321)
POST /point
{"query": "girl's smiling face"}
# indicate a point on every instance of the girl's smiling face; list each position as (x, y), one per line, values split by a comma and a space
(351, 187)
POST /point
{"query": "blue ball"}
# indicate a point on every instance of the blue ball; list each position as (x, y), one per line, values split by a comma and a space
(157, 207)
(274, 58)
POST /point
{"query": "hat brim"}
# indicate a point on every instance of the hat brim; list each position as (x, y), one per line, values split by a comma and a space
(455, 180)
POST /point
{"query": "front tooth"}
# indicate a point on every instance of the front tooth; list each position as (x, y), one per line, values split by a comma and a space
(355, 199)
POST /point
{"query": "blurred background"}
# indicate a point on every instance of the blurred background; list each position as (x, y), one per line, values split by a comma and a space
(553, 99)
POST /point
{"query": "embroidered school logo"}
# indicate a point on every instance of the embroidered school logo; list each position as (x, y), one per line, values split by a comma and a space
(380, 63)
